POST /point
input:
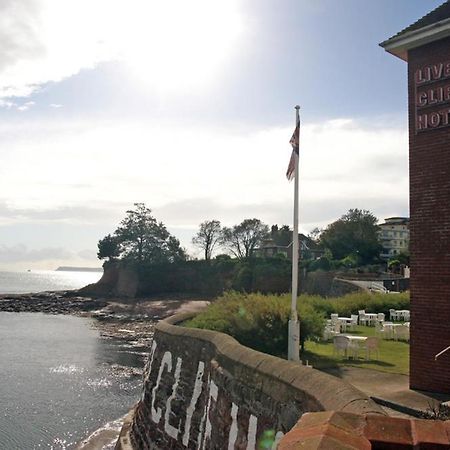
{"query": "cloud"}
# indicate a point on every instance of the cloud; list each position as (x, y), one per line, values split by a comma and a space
(76, 214)
(88, 254)
(86, 174)
(26, 106)
(21, 253)
(45, 41)
(197, 173)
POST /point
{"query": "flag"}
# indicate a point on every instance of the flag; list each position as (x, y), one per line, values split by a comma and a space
(295, 142)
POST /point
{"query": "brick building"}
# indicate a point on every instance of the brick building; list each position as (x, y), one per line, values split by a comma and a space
(425, 46)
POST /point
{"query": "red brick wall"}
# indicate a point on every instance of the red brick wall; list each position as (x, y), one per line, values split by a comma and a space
(339, 430)
(429, 160)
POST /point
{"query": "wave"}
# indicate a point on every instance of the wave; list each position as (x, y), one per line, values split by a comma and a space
(104, 438)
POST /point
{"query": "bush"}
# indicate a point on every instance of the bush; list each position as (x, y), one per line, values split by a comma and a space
(259, 321)
(352, 303)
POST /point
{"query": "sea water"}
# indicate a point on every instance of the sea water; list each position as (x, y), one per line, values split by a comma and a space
(44, 280)
(59, 380)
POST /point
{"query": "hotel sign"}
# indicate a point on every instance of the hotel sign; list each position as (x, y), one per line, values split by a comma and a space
(432, 96)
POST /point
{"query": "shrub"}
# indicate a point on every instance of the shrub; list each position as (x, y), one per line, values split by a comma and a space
(258, 321)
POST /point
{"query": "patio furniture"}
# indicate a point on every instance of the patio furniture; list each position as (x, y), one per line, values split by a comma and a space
(372, 344)
(389, 330)
(344, 322)
(402, 332)
(393, 314)
(337, 327)
(354, 322)
(371, 318)
(403, 314)
(354, 344)
(331, 330)
(340, 344)
(382, 331)
(362, 317)
(380, 317)
(327, 333)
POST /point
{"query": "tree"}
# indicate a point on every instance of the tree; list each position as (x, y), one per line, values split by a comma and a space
(242, 239)
(356, 234)
(209, 234)
(281, 236)
(141, 238)
(314, 234)
(108, 247)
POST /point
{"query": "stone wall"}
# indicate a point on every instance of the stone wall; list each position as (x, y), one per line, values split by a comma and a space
(203, 390)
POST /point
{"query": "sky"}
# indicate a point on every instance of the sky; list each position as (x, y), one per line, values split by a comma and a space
(188, 106)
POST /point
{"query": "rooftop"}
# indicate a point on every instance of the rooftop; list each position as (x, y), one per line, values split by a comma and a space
(433, 26)
(395, 220)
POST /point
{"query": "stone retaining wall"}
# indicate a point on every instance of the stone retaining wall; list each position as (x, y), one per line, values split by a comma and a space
(203, 390)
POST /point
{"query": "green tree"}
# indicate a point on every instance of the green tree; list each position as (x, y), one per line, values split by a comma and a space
(242, 239)
(314, 234)
(108, 247)
(282, 236)
(208, 236)
(141, 238)
(356, 234)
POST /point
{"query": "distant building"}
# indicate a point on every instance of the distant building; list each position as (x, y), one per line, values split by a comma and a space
(308, 249)
(394, 236)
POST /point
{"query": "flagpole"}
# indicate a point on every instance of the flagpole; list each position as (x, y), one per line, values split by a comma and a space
(294, 324)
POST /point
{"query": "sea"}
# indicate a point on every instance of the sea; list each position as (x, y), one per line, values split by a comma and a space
(60, 387)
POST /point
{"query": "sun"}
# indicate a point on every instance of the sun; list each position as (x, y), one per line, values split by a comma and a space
(173, 45)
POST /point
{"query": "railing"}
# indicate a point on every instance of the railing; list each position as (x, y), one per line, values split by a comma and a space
(441, 352)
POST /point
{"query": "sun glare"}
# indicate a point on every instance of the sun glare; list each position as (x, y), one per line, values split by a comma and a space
(176, 44)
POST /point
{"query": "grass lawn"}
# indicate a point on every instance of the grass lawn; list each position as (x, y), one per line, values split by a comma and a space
(393, 355)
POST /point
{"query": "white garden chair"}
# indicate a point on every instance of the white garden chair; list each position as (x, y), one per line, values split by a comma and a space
(340, 344)
(354, 321)
(402, 333)
(380, 330)
(331, 330)
(393, 314)
(372, 345)
(353, 348)
(362, 317)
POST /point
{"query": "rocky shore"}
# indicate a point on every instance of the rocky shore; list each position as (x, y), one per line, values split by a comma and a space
(61, 302)
(131, 320)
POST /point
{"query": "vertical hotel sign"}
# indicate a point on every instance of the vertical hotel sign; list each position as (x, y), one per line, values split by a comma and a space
(432, 96)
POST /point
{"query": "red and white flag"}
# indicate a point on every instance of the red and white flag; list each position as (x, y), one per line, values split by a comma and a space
(295, 142)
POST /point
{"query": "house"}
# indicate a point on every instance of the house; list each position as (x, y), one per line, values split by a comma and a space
(308, 249)
(394, 236)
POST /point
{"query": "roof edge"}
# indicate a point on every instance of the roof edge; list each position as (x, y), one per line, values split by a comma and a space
(399, 45)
